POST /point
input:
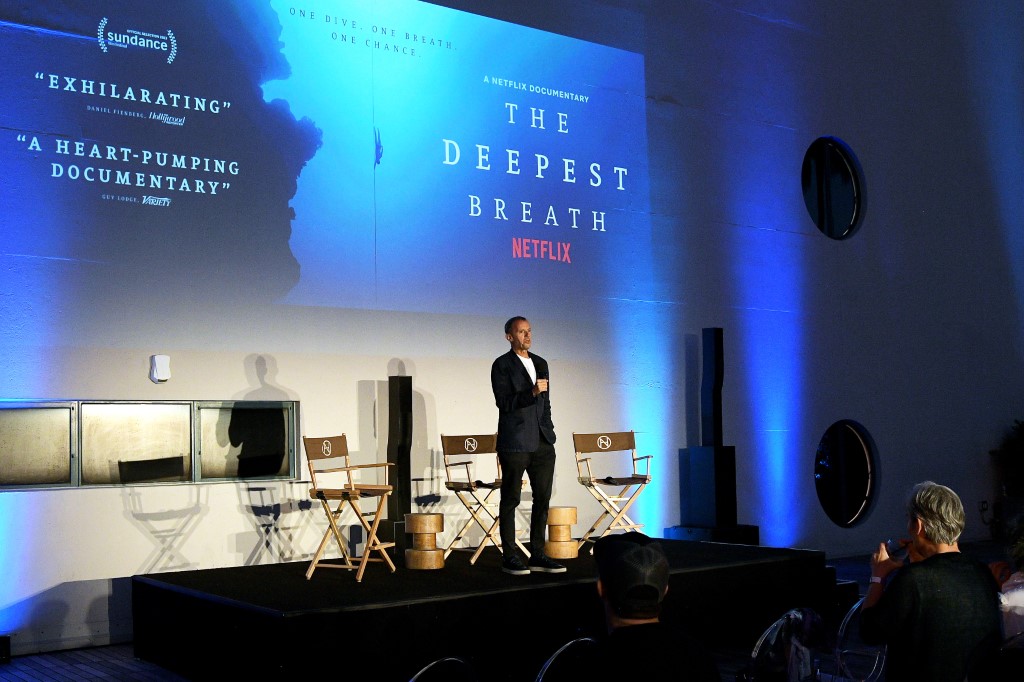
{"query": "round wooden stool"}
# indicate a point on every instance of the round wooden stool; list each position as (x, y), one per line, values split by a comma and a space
(425, 554)
(560, 544)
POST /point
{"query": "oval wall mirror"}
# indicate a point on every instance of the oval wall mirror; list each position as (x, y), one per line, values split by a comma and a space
(844, 472)
(833, 187)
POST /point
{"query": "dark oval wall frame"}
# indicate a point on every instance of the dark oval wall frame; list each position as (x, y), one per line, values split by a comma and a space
(845, 473)
(833, 186)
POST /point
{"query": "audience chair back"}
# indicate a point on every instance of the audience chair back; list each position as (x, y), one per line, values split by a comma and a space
(446, 669)
(337, 484)
(854, 660)
(608, 467)
(789, 650)
(565, 662)
(462, 463)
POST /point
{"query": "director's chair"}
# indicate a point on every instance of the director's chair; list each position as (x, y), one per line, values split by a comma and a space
(331, 473)
(605, 453)
(474, 494)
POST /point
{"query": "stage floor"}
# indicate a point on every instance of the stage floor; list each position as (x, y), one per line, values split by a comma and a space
(269, 622)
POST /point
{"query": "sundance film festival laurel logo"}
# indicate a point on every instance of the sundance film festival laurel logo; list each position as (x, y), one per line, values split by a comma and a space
(135, 39)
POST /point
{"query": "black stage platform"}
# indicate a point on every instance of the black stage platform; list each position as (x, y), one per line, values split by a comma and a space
(269, 622)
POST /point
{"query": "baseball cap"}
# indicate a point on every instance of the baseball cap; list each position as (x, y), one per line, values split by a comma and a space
(634, 572)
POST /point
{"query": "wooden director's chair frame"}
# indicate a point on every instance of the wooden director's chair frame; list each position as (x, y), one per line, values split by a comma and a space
(328, 458)
(474, 494)
(622, 491)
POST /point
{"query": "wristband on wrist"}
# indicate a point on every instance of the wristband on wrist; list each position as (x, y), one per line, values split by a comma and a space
(875, 579)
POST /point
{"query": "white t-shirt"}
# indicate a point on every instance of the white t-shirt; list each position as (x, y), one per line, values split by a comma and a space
(528, 363)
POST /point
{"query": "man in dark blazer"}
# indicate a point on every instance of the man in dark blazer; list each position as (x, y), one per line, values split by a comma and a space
(526, 444)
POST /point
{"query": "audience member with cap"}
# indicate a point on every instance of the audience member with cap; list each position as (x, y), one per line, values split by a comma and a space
(632, 581)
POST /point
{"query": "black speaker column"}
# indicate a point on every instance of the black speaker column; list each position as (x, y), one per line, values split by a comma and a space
(399, 454)
(707, 473)
(711, 387)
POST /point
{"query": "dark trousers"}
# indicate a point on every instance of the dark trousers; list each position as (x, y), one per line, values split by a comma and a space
(539, 466)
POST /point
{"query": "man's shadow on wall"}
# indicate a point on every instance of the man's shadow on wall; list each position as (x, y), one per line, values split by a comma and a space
(260, 432)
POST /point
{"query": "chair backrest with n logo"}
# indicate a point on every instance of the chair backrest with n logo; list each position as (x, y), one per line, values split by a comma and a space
(464, 464)
(608, 466)
(336, 486)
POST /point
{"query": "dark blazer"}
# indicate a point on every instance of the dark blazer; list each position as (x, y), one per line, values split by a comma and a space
(522, 418)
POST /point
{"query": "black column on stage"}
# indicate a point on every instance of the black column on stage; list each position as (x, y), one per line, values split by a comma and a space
(711, 386)
(707, 473)
(712, 454)
(399, 454)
